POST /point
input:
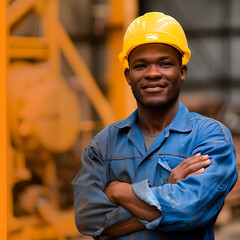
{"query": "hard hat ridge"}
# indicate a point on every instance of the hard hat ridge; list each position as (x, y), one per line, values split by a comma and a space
(154, 27)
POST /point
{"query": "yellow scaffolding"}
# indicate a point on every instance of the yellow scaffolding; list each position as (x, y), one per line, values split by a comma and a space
(32, 93)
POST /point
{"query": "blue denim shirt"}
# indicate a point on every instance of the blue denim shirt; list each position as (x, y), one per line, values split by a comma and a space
(189, 208)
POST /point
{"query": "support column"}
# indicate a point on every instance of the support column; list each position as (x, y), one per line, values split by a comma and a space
(121, 14)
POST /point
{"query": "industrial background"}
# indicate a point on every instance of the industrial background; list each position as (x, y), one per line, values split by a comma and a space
(65, 83)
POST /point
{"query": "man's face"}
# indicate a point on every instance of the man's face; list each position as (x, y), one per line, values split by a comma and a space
(155, 75)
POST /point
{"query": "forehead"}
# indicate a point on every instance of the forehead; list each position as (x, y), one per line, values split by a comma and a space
(154, 50)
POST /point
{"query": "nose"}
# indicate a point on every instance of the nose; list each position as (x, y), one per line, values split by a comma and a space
(153, 72)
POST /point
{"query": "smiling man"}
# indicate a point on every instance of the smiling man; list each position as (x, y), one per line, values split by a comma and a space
(162, 173)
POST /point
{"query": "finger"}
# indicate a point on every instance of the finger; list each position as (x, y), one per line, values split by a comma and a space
(189, 166)
(191, 161)
(196, 166)
(196, 155)
(195, 158)
(200, 171)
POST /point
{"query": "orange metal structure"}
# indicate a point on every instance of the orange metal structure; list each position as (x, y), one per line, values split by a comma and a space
(121, 14)
(3, 140)
(46, 115)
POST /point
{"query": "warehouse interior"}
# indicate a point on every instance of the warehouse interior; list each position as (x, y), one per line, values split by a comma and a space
(65, 83)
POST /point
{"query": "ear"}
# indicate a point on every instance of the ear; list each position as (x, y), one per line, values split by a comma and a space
(127, 75)
(183, 72)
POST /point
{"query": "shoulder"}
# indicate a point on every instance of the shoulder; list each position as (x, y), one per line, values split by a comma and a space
(115, 130)
(108, 136)
(205, 126)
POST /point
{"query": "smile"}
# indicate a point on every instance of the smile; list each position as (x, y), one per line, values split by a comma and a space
(154, 87)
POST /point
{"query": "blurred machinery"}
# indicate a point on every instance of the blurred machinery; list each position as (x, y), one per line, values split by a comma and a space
(50, 118)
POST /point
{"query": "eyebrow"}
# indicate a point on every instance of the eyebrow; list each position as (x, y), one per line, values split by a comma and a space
(144, 59)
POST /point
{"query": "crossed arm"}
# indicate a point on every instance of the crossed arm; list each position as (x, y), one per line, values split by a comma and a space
(122, 193)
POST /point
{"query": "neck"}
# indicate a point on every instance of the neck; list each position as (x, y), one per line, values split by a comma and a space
(155, 120)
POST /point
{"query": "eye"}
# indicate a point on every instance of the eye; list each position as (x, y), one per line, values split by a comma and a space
(139, 66)
(166, 64)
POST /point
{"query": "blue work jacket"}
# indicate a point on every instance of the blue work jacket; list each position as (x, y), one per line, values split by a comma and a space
(189, 208)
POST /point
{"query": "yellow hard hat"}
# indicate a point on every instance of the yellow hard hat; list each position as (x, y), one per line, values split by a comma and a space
(154, 27)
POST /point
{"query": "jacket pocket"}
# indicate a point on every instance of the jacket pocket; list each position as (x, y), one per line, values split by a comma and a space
(172, 161)
(159, 173)
(162, 161)
(165, 165)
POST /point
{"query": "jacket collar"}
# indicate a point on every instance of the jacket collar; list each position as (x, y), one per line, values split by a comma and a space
(129, 121)
(180, 123)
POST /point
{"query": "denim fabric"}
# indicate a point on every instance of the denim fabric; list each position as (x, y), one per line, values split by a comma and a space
(189, 208)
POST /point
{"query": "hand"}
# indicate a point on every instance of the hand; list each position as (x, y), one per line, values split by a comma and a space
(190, 166)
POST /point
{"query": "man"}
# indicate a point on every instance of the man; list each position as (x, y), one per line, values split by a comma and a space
(162, 173)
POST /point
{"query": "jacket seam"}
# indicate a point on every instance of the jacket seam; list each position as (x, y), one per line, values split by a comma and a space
(209, 143)
(150, 157)
(122, 158)
(137, 144)
(96, 149)
(214, 121)
(223, 132)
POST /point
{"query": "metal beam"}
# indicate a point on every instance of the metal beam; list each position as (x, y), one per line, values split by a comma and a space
(17, 10)
(26, 53)
(86, 79)
(122, 13)
(27, 42)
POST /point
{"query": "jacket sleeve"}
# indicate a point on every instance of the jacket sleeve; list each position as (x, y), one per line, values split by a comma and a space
(93, 210)
(196, 200)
